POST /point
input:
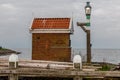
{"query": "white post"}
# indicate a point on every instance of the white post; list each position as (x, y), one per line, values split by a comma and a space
(13, 64)
(77, 62)
(13, 61)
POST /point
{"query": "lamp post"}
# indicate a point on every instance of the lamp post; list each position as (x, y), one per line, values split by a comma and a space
(86, 28)
(88, 13)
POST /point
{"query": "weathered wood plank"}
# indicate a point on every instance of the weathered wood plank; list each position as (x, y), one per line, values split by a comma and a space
(55, 69)
(60, 73)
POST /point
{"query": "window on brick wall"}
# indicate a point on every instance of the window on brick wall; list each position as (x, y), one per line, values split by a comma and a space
(38, 37)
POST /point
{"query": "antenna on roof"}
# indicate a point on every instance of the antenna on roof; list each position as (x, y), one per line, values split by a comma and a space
(33, 15)
(72, 26)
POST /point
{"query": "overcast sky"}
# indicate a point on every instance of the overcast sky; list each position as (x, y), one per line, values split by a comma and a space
(16, 18)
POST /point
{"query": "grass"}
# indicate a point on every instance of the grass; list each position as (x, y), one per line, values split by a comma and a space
(106, 68)
(2, 48)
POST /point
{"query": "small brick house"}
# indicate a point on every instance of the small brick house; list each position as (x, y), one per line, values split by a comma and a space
(51, 39)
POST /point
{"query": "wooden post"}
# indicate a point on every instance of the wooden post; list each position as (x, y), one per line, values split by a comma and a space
(88, 46)
(13, 77)
(77, 78)
(87, 31)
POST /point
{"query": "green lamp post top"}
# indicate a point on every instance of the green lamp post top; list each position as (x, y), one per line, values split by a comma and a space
(88, 8)
(88, 13)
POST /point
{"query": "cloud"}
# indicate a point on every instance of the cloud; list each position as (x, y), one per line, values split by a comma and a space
(99, 12)
(16, 18)
(8, 9)
(8, 6)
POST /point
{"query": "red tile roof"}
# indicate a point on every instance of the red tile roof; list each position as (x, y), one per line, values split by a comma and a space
(51, 23)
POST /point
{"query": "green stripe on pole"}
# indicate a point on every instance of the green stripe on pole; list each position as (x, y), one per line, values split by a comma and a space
(88, 16)
(88, 24)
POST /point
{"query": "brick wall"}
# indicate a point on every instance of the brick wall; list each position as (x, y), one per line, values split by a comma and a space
(51, 46)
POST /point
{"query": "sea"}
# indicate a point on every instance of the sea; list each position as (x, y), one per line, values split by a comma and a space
(100, 55)
(97, 55)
